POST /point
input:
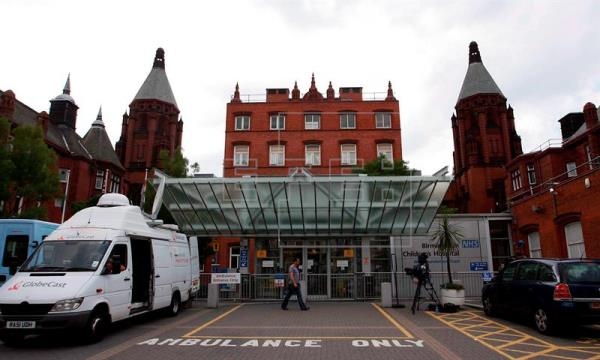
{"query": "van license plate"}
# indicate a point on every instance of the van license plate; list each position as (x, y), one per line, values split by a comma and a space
(595, 305)
(20, 324)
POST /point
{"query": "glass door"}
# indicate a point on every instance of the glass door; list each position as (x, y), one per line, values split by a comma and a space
(316, 270)
(342, 265)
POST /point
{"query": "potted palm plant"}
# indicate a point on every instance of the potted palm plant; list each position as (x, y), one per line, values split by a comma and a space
(446, 238)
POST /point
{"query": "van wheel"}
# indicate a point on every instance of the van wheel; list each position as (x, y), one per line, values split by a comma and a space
(175, 306)
(543, 323)
(12, 339)
(97, 327)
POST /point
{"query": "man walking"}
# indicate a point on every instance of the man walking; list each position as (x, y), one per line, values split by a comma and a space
(294, 286)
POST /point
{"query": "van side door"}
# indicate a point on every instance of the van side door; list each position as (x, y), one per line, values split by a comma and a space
(117, 283)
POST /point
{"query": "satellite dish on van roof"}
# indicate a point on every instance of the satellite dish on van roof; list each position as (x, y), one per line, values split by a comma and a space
(113, 199)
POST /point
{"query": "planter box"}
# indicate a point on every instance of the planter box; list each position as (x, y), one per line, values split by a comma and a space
(453, 296)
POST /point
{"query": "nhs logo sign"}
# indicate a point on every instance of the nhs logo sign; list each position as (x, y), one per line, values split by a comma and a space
(469, 244)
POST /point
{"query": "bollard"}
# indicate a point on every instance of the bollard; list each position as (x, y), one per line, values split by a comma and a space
(212, 300)
(386, 294)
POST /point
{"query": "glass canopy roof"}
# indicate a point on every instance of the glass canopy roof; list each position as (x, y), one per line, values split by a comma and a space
(302, 205)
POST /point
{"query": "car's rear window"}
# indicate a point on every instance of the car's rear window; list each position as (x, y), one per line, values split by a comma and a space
(582, 272)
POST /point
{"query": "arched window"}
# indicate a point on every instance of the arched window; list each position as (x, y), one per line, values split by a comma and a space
(535, 249)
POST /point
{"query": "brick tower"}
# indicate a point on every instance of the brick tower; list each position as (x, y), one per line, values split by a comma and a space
(153, 124)
(485, 140)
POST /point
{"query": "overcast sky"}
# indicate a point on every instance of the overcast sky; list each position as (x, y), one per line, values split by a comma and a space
(544, 55)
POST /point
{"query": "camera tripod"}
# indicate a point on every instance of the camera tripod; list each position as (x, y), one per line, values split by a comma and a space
(425, 283)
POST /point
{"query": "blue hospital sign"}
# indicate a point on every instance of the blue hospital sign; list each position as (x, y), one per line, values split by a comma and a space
(470, 244)
(479, 266)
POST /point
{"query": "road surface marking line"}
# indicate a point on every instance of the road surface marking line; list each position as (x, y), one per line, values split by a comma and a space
(393, 321)
(199, 328)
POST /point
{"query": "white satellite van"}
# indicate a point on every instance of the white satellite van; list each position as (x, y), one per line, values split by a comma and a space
(106, 263)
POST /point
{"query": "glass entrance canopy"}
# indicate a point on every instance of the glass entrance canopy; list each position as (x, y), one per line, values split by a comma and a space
(301, 206)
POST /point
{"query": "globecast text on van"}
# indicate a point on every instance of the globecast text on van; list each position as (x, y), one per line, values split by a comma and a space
(52, 284)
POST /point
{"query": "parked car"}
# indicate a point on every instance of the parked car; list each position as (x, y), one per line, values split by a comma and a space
(549, 292)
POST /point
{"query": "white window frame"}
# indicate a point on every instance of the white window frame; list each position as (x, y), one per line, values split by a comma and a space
(63, 175)
(348, 154)
(535, 248)
(115, 183)
(531, 174)
(234, 257)
(387, 153)
(241, 155)
(276, 155)
(515, 176)
(345, 119)
(242, 122)
(312, 121)
(574, 239)
(383, 120)
(571, 169)
(312, 154)
(99, 179)
(277, 122)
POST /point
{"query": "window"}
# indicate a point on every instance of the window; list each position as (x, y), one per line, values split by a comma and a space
(312, 154)
(535, 250)
(277, 122)
(15, 250)
(574, 237)
(516, 180)
(348, 154)
(63, 175)
(571, 169)
(241, 154)
(348, 121)
(276, 155)
(234, 257)
(383, 120)
(531, 174)
(115, 183)
(312, 121)
(509, 272)
(242, 122)
(386, 151)
(99, 179)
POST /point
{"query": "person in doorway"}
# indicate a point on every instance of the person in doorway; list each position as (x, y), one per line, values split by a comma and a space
(294, 286)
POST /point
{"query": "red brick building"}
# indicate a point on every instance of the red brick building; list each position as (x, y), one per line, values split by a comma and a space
(485, 140)
(320, 134)
(153, 124)
(87, 166)
(554, 192)
(326, 134)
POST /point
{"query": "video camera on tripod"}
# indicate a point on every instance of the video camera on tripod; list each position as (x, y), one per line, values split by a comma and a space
(419, 272)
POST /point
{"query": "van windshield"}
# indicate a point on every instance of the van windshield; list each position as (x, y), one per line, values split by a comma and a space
(70, 255)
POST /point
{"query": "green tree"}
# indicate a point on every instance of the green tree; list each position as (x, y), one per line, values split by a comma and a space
(6, 164)
(382, 167)
(36, 177)
(175, 164)
(446, 238)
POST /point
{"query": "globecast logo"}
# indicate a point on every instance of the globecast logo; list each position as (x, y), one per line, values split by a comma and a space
(36, 284)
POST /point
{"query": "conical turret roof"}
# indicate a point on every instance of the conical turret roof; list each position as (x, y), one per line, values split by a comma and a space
(156, 86)
(98, 144)
(477, 80)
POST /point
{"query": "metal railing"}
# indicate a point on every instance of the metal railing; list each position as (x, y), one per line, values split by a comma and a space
(337, 287)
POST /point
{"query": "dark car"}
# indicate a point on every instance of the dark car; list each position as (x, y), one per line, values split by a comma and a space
(548, 292)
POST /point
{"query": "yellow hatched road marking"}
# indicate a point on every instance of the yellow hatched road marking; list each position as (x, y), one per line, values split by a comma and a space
(457, 323)
(212, 321)
(393, 321)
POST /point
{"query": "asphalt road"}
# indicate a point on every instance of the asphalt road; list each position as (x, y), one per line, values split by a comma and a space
(328, 330)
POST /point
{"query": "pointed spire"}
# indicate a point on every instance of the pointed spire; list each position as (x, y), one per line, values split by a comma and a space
(159, 59)
(312, 82)
(296, 92)
(67, 88)
(390, 93)
(98, 122)
(330, 92)
(474, 55)
(236, 94)
(477, 80)
(313, 93)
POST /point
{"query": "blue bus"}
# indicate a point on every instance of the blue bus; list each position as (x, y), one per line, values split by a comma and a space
(18, 239)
